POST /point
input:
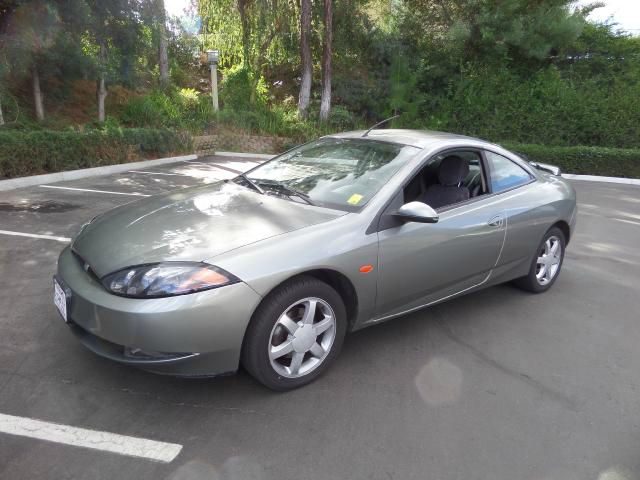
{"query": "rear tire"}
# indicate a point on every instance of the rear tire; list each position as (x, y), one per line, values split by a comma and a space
(295, 334)
(546, 263)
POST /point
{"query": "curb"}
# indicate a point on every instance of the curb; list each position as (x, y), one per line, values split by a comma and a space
(595, 178)
(21, 182)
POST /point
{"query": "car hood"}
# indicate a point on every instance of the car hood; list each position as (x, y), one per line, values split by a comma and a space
(192, 224)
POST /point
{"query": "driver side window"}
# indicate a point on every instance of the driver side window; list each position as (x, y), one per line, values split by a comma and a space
(447, 179)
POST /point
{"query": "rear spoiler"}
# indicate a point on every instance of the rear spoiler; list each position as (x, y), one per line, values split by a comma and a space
(545, 167)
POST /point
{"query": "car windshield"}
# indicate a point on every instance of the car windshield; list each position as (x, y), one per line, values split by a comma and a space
(334, 173)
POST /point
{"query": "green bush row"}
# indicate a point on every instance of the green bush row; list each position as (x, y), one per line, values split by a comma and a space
(33, 152)
(181, 109)
(548, 107)
(611, 162)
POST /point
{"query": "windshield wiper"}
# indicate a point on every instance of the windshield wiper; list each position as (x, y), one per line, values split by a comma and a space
(251, 183)
(287, 190)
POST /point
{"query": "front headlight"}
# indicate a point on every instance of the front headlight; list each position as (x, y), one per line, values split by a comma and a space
(166, 279)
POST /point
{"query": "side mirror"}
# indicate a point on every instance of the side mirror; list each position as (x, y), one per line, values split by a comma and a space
(417, 212)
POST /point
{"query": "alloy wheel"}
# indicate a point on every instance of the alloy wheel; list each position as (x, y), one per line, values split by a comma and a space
(302, 337)
(548, 262)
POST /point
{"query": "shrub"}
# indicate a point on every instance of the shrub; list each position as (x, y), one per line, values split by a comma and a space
(183, 109)
(32, 152)
(238, 89)
(543, 107)
(341, 118)
(613, 162)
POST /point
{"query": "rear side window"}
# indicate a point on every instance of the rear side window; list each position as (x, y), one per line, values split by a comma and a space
(505, 174)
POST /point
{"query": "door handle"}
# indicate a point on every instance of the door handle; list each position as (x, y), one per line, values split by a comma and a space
(497, 221)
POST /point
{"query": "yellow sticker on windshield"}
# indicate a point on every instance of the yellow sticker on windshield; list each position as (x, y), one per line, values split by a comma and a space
(354, 199)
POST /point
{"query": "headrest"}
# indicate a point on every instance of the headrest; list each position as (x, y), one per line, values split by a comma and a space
(453, 170)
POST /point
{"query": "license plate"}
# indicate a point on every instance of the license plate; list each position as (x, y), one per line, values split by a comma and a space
(60, 299)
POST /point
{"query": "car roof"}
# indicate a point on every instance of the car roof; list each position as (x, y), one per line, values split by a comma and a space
(415, 138)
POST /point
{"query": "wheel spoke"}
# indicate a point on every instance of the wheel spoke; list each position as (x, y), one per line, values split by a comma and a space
(542, 273)
(323, 325)
(296, 362)
(288, 324)
(555, 247)
(317, 350)
(277, 351)
(309, 311)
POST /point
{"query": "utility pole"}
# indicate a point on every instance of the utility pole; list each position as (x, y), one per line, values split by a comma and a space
(213, 57)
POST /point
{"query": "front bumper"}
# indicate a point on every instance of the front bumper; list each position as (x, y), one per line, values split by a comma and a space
(193, 335)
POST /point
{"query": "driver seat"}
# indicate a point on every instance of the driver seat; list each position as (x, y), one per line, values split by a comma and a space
(451, 173)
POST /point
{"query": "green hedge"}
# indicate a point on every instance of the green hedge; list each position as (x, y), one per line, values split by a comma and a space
(611, 162)
(32, 152)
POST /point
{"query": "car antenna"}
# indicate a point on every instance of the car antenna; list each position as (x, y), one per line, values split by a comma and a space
(378, 124)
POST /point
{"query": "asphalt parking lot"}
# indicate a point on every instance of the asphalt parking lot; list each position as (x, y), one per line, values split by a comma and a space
(499, 384)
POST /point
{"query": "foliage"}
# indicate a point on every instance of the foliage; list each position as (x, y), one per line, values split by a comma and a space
(40, 151)
(284, 121)
(520, 31)
(545, 107)
(402, 91)
(183, 109)
(614, 162)
(238, 88)
(514, 70)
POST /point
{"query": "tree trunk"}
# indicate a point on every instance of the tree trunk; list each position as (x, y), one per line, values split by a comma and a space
(1, 116)
(37, 94)
(102, 89)
(305, 57)
(325, 101)
(163, 57)
(246, 30)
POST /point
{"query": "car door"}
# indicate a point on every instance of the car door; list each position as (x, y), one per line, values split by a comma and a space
(423, 263)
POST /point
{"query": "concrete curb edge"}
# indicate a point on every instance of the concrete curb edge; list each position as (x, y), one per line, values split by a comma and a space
(595, 178)
(21, 182)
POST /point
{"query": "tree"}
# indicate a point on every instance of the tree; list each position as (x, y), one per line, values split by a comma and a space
(247, 30)
(163, 57)
(3, 59)
(115, 29)
(30, 31)
(101, 91)
(325, 101)
(518, 31)
(305, 57)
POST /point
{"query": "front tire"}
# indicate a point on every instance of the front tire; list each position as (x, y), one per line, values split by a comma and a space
(295, 333)
(546, 263)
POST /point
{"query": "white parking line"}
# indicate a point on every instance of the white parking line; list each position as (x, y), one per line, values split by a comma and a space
(94, 191)
(215, 165)
(35, 235)
(160, 173)
(632, 222)
(94, 439)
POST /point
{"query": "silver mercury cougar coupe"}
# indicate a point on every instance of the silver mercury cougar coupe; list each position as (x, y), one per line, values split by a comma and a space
(272, 268)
